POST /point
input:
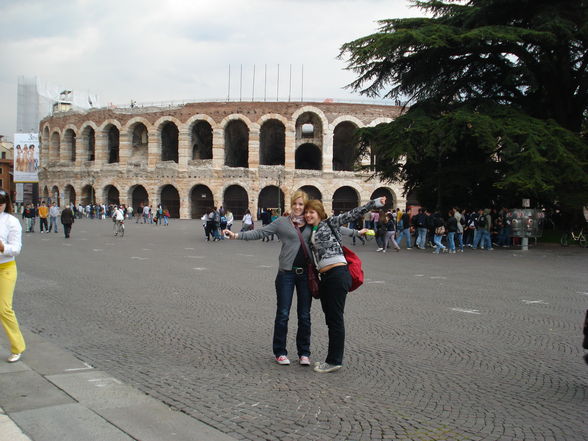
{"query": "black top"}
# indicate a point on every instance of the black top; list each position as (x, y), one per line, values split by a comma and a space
(300, 259)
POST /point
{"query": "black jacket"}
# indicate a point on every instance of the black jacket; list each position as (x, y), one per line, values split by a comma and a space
(67, 217)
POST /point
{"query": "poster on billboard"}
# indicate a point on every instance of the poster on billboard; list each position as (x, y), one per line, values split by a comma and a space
(26, 157)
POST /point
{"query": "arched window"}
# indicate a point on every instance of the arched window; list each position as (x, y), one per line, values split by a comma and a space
(111, 195)
(271, 197)
(201, 140)
(139, 198)
(309, 157)
(113, 135)
(272, 142)
(345, 199)
(236, 200)
(344, 146)
(169, 142)
(236, 144)
(312, 192)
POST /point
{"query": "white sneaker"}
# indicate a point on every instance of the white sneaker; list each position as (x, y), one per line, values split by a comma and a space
(283, 360)
(304, 361)
(323, 368)
(13, 358)
(383, 251)
(379, 249)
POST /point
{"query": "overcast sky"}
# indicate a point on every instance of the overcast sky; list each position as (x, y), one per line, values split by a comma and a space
(149, 50)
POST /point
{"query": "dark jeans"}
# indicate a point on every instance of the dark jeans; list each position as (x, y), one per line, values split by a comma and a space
(43, 223)
(286, 281)
(334, 287)
(66, 229)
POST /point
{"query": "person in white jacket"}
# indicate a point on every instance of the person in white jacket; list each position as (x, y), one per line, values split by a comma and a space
(10, 246)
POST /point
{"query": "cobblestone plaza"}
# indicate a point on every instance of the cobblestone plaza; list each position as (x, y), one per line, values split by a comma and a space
(472, 346)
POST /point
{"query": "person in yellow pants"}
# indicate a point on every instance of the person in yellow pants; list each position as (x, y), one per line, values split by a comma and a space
(10, 246)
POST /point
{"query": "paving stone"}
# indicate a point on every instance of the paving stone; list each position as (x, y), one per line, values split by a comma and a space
(417, 363)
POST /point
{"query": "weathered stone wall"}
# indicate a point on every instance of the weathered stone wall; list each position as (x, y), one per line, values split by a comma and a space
(59, 174)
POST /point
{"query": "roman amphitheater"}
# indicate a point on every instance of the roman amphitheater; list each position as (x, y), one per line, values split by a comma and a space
(241, 155)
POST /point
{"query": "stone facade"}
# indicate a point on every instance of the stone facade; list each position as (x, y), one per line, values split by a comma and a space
(189, 157)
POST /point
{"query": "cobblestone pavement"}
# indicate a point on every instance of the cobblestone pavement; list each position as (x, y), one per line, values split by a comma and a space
(473, 346)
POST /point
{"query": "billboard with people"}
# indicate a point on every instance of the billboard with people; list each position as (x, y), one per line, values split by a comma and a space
(26, 157)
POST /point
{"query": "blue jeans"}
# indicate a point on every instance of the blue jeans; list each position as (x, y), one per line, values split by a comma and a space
(285, 283)
(439, 246)
(482, 237)
(451, 240)
(460, 240)
(405, 233)
(53, 223)
(422, 237)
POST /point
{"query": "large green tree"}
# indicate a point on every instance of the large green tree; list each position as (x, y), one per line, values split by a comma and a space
(460, 71)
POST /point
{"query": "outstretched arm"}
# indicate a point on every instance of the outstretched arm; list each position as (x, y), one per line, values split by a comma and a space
(356, 213)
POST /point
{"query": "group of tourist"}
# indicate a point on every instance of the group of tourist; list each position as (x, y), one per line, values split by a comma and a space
(482, 228)
(214, 220)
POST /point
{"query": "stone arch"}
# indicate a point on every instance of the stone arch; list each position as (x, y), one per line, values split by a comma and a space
(391, 200)
(55, 196)
(69, 195)
(138, 134)
(236, 199)
(308, 157)
(168, 130)
(201, 199)
(45, 194)
(310, 127)
(111, 195)
(201, 139)
(69, 144)
(272, 142)
(88, 148)
(236, 143)
(112, 135)
(271, 197)
(169, 198)
(138, 196)
(344, 199)
(88, 195)
(312, 192)
(55, 146)
(381, 120)
(344, 146)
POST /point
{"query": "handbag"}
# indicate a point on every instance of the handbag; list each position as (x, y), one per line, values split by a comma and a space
(440, 230)
(311, 271)
(354, 264)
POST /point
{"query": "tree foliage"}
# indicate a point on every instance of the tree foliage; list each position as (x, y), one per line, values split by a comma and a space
(498, 91)
(479, 155)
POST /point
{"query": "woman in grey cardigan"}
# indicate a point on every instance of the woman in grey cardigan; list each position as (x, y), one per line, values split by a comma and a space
(291, 274)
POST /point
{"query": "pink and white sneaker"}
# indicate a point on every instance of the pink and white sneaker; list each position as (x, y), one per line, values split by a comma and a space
(304, 361)
(283, 360)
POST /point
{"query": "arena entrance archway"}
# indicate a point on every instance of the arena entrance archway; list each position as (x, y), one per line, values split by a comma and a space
(69, 195)
(236, 200)
(170, 199)
(271, 197)
(390, 199)
(345, 199)
(139, 197)
(201, 199)
(309, 157)
(88, 195)
(312, 192)
(111, 195)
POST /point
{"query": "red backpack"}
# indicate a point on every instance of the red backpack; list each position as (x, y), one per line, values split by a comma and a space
(353, 264)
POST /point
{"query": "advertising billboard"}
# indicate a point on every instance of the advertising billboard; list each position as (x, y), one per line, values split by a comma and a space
(26, 157)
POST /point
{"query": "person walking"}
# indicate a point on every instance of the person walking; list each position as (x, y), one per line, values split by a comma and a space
(292, 273)
(53, 214)
(439, 225)
(67, 220)
(452, 227)
(325, 243)
(390, 226)
(247, 223)
(29, 215)
(10, 246)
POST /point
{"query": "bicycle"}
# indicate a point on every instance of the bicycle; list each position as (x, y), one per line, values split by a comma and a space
(119, 228)
(566, 238)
